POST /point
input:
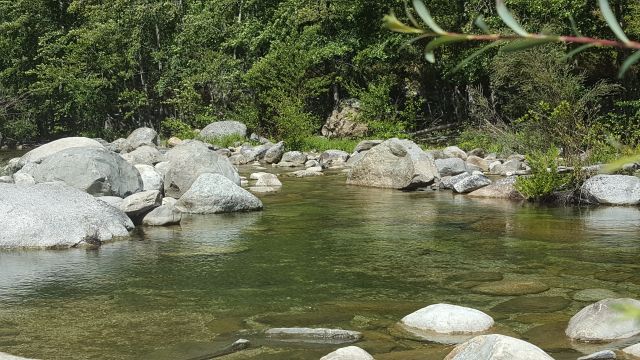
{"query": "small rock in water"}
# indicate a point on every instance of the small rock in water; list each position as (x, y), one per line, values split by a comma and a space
(633, 350)
(319, 335)
(600, 355)
(448, 319)
(348, 353)
(511, 287)
(591, 295)
(162, 216)
(602, 321)
(497, 347)
(4, 356)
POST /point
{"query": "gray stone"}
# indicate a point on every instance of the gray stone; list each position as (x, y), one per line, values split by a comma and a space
(117, 145)
(311, 163)
(507, 168)
(214, 193)
(454, 152)
(55, 215)
(447, 182)
(348, 353)
(190, 160)
(471, 183)
(162, 167)
(21, 178)
(612, 190)
(140, 137)
(320, 335)
(224, 128)
(342, 123)
(366, 145)
(436, 154)
(450, 166)
(600, 355)
(633, 350)
(265, 179)
(4, 356)
(497, 347)
(239, 159)
(173, 142)
(141, 203)
(40, 153)
(112, 200)
(478, 162)
(151, 178)
(292, 159)
(310, 172)
(333, 158)
(355, 157)
(96, 171)
(500, 189)
(147, 155)
(603, 321)
(274, 154)
(162, 216)
(6, 179)
(397, 164)
(12, 167)
(479, 152)
(448, 319)
(260, 151)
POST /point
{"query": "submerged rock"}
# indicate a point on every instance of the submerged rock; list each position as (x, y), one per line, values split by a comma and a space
(397, 164)
(214, 193)
(186, 162)
(633, 350)
(604, 321)
(56, 215)
(591, 295)
(612, 190)
(317, 335)
(310, 172)
(348, 353)
(497, 347)
(448, 319)
(96, 171)
(511, 287)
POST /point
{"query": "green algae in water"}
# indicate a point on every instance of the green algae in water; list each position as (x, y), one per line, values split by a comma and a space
(320, 254)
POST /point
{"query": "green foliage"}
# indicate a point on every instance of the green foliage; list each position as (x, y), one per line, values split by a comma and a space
(320, 143)
(472, 138)
(174, 127)
(544, 180)
(226, 141)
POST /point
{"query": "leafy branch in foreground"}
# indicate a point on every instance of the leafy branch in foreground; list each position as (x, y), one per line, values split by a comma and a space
(520, 39)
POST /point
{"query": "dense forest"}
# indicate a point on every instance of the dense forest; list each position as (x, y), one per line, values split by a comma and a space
(102, 68)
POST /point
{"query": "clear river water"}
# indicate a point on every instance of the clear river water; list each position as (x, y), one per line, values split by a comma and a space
(321, 254)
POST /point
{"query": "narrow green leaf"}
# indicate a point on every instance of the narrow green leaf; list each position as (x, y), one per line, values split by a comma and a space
(429, 56)
(524, 44)
(578, 50)
(443, 40)
(422, 10)
(407, 10)
(612, 21)
(628, 63)
(475, 54)
(392, 23)
(415, 39)
(509, 20)
(481, 24)
(574, 26)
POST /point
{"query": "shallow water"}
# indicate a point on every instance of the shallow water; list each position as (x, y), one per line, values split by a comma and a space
(320, 254)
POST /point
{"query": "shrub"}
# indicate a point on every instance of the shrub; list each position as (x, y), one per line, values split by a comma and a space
(174, 127)
(544, 180)
(320, 143)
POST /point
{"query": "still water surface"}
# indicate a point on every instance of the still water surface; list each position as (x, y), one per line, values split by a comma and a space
(321, 254)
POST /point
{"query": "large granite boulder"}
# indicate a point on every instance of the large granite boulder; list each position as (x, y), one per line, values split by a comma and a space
(348, 353)
(214, 193)
(140, 137)
(500, 189)
(96, 171)
(396, 164)
(186, 162)
(151, 178)
(612, 190)
(55, 215)
(224, 128)
(604, 321)
(41, 152)
(497, 347)
(274, 153)
(448, 319)
(342, 122)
